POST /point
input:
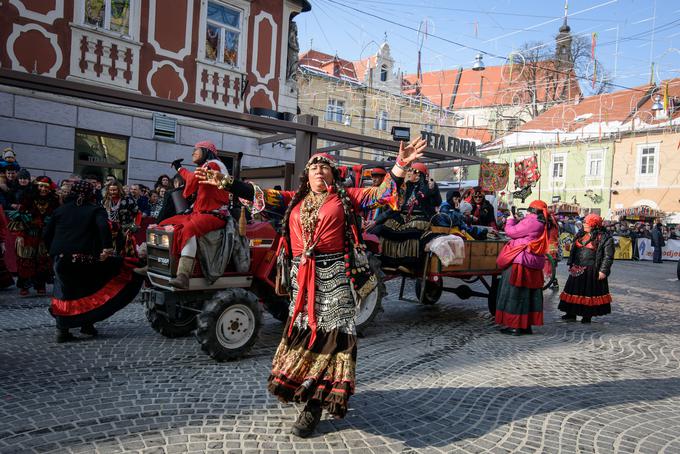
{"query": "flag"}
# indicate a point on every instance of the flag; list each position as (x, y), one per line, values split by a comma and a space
(665, 97)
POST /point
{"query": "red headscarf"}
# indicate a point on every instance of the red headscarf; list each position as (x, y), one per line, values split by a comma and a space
(593, 220)
(207, 145)
(420, 167)
(540, 245)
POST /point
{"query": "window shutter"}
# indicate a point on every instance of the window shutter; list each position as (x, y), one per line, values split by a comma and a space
(164, 127)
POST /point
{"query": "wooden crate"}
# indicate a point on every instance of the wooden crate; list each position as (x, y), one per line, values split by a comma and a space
(480, 258)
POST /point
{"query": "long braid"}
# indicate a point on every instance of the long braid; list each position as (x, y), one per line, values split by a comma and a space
(349, 213)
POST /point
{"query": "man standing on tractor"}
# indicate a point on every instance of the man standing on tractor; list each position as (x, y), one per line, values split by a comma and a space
(209, 212)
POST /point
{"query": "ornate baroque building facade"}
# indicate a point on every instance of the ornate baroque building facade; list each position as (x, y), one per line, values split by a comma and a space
(234, 55)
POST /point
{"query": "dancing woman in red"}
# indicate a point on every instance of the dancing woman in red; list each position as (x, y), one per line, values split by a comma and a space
(316, 360)
(586, 292)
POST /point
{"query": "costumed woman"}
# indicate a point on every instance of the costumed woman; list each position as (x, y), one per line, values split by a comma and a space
(33, 261)
(401, 232)
(124, 219)
(586, 292)
(520, 295)
(321, 241)
(6, 279)
(209, 212)
(90, 284)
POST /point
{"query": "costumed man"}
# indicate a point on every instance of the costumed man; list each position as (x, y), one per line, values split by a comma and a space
(371, 213)
(401, 232)
(209, 212)
(482, 210)
(33, 262)
(586, 292)
(90, 283)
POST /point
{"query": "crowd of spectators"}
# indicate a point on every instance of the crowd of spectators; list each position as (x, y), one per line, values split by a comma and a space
(29, 200)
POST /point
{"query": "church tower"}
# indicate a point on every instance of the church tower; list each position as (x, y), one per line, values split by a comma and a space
(563, 43)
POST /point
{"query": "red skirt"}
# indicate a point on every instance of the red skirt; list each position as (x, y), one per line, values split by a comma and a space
(192, 224)
(521, 276)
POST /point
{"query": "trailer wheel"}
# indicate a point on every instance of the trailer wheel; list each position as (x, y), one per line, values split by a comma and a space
(176, 328)
(433, 290)
(493, 295)
(229, 324)
(549, 271)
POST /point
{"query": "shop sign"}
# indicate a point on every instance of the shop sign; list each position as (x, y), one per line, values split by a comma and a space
(450, 144)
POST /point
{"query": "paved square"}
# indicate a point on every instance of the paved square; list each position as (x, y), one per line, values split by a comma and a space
(429, 379)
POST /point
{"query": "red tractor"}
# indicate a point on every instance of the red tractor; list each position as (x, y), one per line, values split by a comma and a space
(226, 315)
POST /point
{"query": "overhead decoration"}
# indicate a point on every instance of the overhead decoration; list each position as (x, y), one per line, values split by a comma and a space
(639, 212)
(565, 208)
(526, 172)
(493, 176)
(522, 194)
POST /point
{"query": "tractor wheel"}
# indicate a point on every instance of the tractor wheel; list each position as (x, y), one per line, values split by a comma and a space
(433, 290)
(229, 324)
(493, 295)
(176, 328)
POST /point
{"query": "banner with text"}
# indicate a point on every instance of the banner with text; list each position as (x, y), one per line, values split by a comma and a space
(671, 251)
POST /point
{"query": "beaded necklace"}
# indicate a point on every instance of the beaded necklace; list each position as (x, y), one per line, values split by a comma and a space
(309, 216)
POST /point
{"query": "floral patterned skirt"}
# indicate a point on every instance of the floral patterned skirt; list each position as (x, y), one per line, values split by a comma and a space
(326, 370)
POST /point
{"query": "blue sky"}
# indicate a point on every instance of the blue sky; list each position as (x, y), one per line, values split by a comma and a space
(647, 30)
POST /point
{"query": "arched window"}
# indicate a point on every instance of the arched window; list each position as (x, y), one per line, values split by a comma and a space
(383, 73)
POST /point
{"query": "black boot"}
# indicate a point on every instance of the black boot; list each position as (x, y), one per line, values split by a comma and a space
(308, 419)
(585, 319)
(90, 330)
(63, 335)
(569, 317)
(512, 331)
(526, 330)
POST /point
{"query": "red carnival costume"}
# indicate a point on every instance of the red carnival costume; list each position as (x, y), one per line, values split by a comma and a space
(209, 212)
(6, 279)
(33, 262)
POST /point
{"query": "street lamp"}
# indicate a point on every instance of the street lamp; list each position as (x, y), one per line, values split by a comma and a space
(479, 64)
(657, 106)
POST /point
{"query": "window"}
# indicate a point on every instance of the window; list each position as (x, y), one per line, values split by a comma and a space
(335, 110)
(557, 166)
(111, 15)
(99, 155)
(383, 73)
(222, 33)
(594, 164)
(647, 161)
(381, 121)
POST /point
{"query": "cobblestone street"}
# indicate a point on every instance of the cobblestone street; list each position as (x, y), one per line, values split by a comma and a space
(429, 379)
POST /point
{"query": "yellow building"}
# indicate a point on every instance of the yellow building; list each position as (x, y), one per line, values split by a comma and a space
(646, 172)
(365, 97)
